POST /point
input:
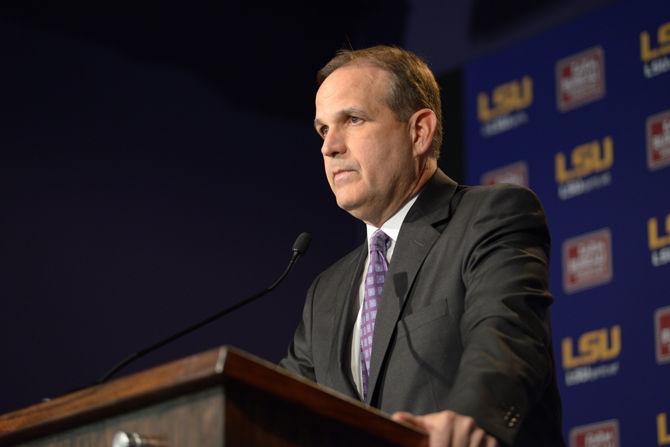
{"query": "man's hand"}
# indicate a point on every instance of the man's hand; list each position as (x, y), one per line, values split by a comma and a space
(449, 429)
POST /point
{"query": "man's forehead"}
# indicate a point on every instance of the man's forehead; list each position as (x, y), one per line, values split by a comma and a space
(354, 85)
(365, 68)
(353, 76)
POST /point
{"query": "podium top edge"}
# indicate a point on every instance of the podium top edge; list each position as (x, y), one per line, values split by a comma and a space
(221, 366)
(189, 373)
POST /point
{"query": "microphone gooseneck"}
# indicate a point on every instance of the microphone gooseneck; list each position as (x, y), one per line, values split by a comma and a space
(299, 248)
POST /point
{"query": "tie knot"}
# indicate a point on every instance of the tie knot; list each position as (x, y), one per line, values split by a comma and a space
(380, 242)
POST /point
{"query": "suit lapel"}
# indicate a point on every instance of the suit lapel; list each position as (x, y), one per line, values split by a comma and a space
(417, 236)
(346, 309)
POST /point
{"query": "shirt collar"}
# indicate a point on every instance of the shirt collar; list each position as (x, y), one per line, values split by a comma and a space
(392, 226)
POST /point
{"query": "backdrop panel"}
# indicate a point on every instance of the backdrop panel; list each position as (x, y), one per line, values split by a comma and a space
(581, 115)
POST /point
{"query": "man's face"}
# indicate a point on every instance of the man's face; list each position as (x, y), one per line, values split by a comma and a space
(367, 151)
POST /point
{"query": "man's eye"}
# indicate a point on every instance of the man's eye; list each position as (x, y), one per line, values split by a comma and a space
(323, 131)
(354, 120)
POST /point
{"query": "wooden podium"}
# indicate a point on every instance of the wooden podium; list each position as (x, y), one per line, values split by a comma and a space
(222, 397)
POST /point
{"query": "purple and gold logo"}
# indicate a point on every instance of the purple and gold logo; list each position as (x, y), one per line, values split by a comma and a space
(654, 55)
(592, 357)
(659, 241)
(662, 429)
(504, 108)
(588, 168)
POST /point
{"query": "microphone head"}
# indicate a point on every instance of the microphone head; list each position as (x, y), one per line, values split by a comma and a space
(301, 243)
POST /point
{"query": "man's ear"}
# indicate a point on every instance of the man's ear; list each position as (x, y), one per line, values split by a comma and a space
(422, 128)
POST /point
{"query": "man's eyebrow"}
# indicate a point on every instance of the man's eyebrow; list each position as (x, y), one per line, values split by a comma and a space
(353, 111)
(343, 114)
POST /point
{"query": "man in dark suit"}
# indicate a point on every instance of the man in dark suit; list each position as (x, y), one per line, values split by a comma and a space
(443, 312)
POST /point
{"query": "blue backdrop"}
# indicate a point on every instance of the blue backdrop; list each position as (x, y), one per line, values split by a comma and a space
(581, 115)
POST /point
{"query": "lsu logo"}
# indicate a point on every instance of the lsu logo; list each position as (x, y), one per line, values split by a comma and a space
(600, 434)
(662, 47)
(659, 241)
(594, 157)
(656, 240)
(662, 429)
(580, 79)
(654, 55)
(515, 173)
(505, 99)
(504, 108)
(662, 331)
(592, 347)
(658, 140)
(587, 260)
(588, 158)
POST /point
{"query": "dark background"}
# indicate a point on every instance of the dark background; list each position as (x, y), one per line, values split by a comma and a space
(157, 162)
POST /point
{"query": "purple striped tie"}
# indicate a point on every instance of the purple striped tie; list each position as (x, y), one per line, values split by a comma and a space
(374, 283)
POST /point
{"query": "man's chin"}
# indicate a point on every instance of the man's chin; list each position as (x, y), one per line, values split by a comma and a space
(356, 209)
(348, 204)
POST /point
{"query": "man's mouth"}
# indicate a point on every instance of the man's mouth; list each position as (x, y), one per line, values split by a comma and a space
(342, 174)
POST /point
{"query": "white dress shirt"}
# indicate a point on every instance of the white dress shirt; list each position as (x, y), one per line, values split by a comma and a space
(392, 228)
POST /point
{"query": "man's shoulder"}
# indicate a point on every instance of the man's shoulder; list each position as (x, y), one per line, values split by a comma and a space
(498, 197)
(442, 192)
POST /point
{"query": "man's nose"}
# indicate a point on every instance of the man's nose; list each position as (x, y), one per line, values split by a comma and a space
(333, 144)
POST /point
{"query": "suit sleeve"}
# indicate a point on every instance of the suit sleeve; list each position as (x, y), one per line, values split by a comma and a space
(507, 361)
(299, 358)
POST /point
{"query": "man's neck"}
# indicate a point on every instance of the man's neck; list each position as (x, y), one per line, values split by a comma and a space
(392, 225)
(427, 171)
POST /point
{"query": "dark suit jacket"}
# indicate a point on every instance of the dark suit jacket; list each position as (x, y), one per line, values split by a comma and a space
(463, 323)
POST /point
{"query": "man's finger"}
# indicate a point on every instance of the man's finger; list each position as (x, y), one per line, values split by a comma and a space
(463, 427)
(409, 418)
(441, 429)
(401, 416)
(477, 438)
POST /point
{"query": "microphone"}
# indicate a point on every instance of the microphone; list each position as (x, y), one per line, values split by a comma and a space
(299, 248)
(301, 244)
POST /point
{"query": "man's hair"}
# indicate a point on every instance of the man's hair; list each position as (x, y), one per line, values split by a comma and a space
(413, 85)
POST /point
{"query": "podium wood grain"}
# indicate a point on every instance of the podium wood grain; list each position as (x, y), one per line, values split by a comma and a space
(216, 398)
